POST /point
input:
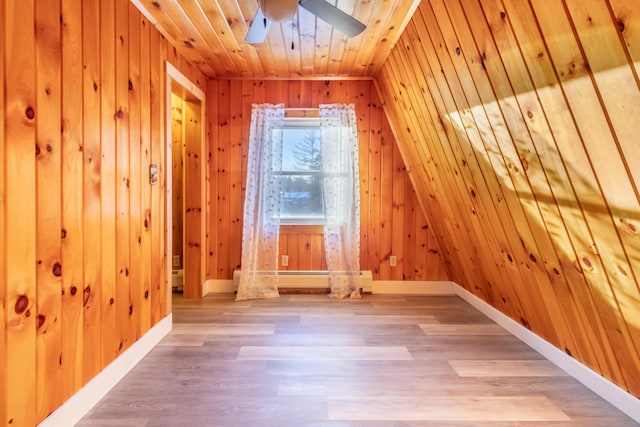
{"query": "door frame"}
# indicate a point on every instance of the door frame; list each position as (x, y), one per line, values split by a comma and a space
(175, 77)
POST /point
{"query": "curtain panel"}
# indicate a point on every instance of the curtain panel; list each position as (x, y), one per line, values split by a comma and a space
(261, 227)
(341, 194)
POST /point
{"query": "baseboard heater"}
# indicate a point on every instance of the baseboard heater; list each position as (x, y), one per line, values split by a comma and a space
(304, 279)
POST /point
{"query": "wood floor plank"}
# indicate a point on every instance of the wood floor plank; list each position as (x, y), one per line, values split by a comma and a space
(382, 361)
(467, 408)
(323, 319)
(455, 329)
(222, 329)
(506, 368)
(323, 353)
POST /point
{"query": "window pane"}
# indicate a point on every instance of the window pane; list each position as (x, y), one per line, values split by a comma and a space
(301, 196)
(301, 149)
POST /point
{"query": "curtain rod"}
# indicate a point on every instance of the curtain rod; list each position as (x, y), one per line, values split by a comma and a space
(301, 109)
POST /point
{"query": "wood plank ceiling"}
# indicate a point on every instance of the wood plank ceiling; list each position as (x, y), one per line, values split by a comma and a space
(211, 33)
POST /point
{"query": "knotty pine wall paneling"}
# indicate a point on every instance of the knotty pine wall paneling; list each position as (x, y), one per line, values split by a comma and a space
(106, 85)
(3, 271)
(20, 215)
(82, 259)
(392, 222)
(92, 206)
(514, 121)
(72, 201)
(146, 242)
(136, 288)
(123, 247)
(48, 226)
(193, 197)
(177, 159)
(156, 84)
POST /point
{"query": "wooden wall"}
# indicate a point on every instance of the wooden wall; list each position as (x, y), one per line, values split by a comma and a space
(518, 124)
(392, 222)
(177, 172)
(82, 257)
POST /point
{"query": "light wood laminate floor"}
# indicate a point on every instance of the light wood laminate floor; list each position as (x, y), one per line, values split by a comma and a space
(307, 360)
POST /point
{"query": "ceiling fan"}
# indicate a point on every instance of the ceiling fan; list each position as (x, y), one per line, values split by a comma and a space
(281, 10)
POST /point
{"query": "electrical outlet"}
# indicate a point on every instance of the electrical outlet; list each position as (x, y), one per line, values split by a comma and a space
(285, 260)
(393, 261)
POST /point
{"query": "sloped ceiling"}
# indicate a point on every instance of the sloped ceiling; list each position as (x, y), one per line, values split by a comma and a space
(211, 33)
(518, 122)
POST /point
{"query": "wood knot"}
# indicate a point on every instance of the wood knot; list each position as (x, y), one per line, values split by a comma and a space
(621, 270)
(73, 290)
(146, 294)
(628, 226)
(49, 148)
(576, 265)
(63, 233)
(503, 15)
(21, 304)
(37, 150)
(587, 263)
(621, 25)
(86, 296)
(111, 301)
(57, 269)
(40, 319)
(532, 258)
(30, 113)
(130, 309)
(458, 51)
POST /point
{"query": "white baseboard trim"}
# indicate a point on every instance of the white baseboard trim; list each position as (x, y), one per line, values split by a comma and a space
(86, 398)
(610, 392)
(218, 287)
(413, 287)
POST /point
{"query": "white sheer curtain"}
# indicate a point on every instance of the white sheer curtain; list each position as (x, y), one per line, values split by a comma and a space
(341, 192)
(259, 278)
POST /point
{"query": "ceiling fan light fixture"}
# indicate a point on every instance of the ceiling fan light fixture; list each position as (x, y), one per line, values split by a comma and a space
(279, 10)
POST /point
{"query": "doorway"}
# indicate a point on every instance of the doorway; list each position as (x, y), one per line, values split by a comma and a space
(185, 195)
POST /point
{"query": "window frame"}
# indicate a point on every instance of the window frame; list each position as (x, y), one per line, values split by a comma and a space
(301, 123)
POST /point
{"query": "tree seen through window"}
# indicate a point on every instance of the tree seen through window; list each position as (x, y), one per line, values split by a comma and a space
(301, 176)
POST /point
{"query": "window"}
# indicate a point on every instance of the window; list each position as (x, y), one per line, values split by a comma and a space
(301, 172)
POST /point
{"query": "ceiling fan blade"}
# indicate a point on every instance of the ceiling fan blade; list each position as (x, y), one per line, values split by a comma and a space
(333, 16)
(259, 28)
